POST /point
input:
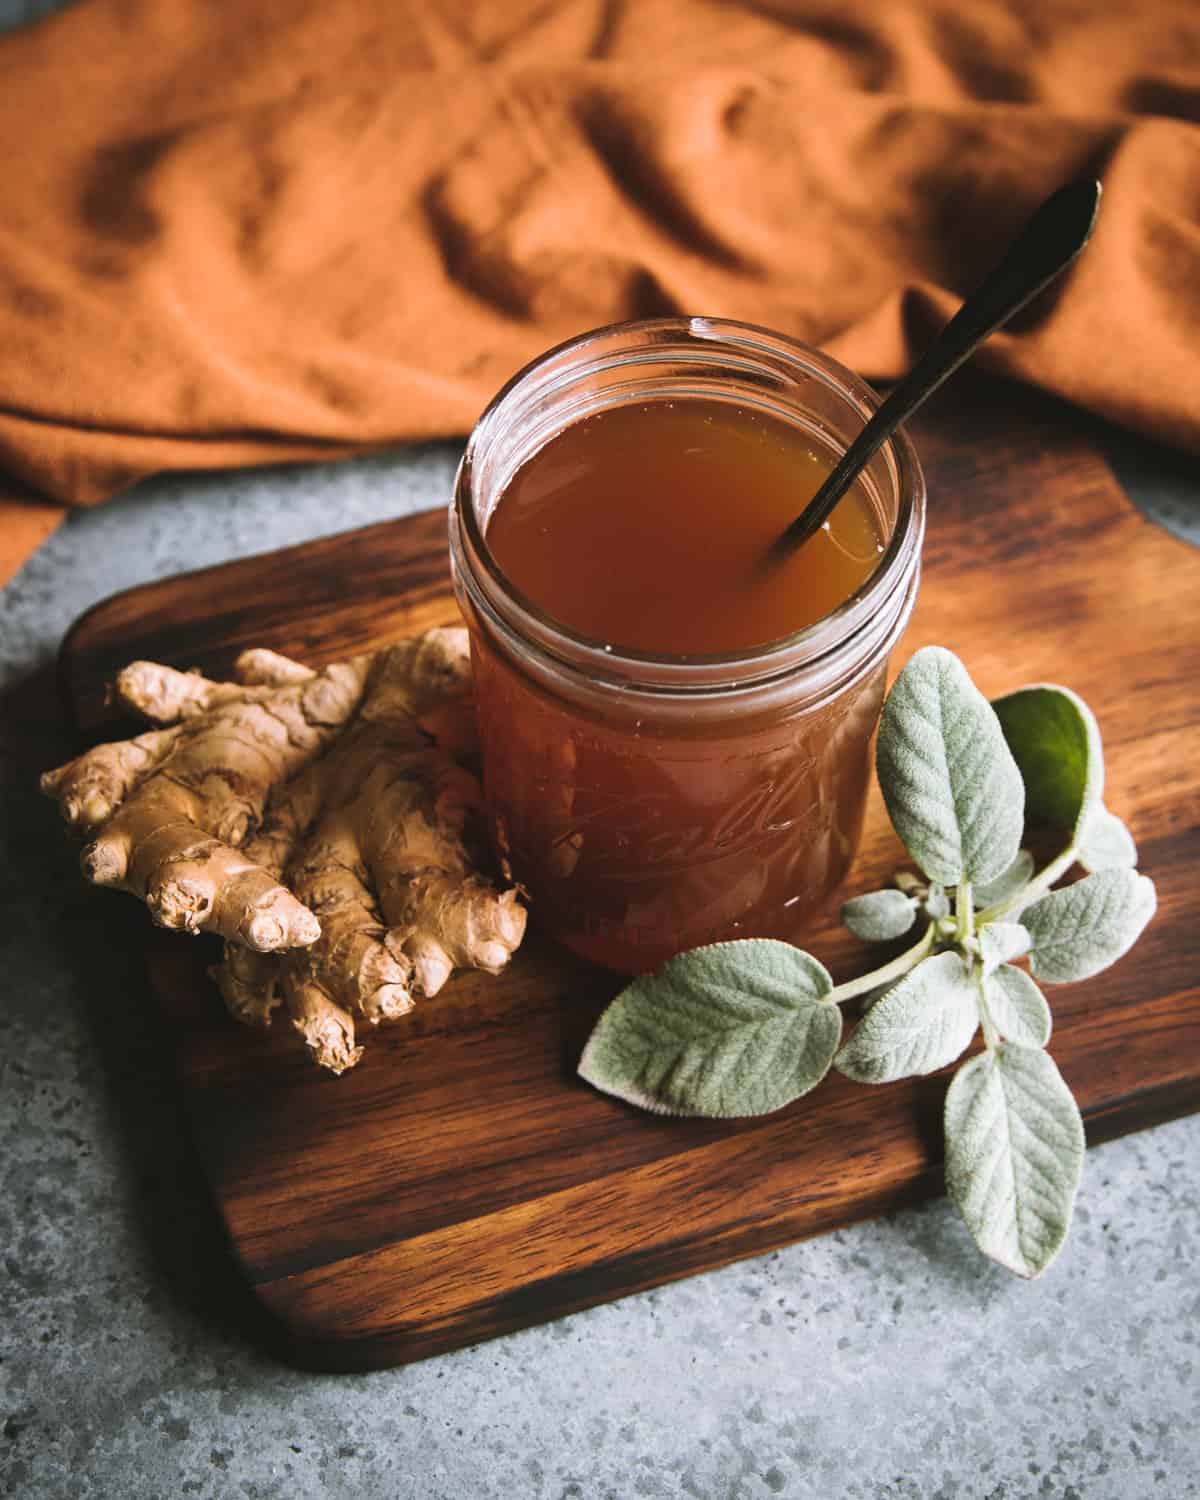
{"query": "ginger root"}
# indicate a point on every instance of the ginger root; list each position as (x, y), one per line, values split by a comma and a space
(314, 820)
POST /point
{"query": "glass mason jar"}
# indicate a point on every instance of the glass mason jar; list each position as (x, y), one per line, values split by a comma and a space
(652, 803)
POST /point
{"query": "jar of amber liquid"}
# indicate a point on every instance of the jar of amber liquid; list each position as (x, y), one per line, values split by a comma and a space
(675, 736)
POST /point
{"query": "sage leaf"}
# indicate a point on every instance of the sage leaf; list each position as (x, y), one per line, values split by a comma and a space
(920, 1025)
(1106, 844)
(952, 788)
(732, 1029)
(1017, 1007)
(1001, 941)
(1007, 884)
(937, 903)
(1014, 1152)
(879, 915)
(1084, 927)
(1055, 741)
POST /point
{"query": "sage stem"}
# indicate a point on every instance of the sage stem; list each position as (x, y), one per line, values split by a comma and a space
(964, 912)
(898, 967)
(1014, 905)
(991, 1035)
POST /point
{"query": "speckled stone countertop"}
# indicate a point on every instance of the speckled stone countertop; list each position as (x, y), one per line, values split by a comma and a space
(880, 1362)
(887, 1360)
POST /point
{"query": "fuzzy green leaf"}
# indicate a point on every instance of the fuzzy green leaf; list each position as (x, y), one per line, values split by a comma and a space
(1106, 844)
(920, 1025)
(733, 1029)
(1085, 927)
(1001, 941)
(1055, 740)
(937, 903)
(1006, 884)
(879, 916)
(1014, 1153)
(951, 786)
(1018, 1007)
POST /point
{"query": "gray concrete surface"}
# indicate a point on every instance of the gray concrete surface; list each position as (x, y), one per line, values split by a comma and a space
(886, 1362)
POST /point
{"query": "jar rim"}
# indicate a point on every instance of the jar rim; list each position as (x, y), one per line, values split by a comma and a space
(697, 670)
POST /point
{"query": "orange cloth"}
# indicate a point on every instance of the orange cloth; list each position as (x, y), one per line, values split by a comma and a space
(283, 229)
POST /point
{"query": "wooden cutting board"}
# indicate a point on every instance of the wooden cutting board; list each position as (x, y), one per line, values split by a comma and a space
(461, 1182)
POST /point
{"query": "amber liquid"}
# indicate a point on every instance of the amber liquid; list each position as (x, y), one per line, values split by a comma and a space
(639, 834)
(646, 526)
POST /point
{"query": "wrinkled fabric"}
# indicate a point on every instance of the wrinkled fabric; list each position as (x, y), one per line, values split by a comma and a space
(292, 229)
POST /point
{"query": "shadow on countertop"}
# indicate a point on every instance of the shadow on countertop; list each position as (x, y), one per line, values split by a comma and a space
(100, 936)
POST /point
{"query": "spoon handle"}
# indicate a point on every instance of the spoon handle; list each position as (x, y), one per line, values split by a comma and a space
(1048, 244)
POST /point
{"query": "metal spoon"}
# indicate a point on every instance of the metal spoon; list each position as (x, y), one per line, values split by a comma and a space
(1048, 244)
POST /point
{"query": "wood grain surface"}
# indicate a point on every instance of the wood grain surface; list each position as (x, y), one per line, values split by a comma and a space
(461, 1182)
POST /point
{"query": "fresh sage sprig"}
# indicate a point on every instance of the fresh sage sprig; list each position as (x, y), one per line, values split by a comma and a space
(743, 1028)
